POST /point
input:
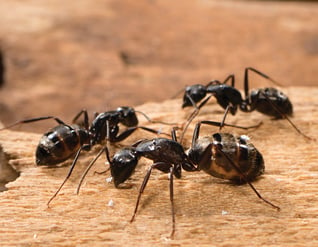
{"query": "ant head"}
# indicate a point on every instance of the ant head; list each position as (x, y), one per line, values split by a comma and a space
(128, 116)
(193, 94)
(123, 164)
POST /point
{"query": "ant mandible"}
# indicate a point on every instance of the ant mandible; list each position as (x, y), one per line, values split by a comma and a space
(222, 155)
(268, 101)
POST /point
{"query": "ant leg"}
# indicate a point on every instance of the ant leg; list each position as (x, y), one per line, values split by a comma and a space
(213, 123)
(193, 103)
(225, 115)
(196, 131)
(158, 132)
(172, 202)
(102, 172)
(174, 135)
(192, 116)
(230, 77)
(126, 134)
(143, 186)
(230, 108)
(129, 131)
(237, 168)
(246, 87)
(82, 112)
(69, 173)
(59, 121)
(177, 94)
(288, 119)
(141, 190)
(108, 160)
(213, 82)
(90, 166)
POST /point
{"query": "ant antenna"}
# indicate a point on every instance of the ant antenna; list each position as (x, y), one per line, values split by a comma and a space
(59, 121)
(178, 93)
(192, 116)
(89, 167)
(154, 121)
(96, 157)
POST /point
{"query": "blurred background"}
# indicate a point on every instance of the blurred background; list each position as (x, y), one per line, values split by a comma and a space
(58, 57)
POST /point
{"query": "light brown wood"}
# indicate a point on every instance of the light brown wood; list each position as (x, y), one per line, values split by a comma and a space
(209, 211)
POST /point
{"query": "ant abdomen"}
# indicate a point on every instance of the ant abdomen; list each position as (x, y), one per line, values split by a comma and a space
(59, 144)
(216, 154)
(271, 102)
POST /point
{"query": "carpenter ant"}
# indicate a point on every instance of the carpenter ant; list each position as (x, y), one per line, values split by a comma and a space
(221, 155)
(64, 141)
(268, 101)
(168, 156)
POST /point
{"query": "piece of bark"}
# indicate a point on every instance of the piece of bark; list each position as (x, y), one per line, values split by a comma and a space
(209, 211)
(7, 173)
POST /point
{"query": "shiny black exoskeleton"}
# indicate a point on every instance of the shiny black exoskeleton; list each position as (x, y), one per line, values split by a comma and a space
(64, 141)
(168, 156)
(60, 143)
(268, 101)
(222, 155)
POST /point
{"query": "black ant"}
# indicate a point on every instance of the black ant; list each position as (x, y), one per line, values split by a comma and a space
(64, 141)
(268, 101)
(222, 155)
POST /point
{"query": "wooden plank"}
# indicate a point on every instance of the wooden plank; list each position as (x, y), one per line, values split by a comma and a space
(209, 211)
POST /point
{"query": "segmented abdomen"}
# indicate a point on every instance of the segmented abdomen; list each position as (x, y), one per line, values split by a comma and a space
(59, 144)
(229, 151)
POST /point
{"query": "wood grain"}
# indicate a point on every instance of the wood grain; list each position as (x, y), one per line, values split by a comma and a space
(209, 211)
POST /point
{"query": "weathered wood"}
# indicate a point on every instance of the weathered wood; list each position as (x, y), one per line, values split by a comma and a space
(209, 211)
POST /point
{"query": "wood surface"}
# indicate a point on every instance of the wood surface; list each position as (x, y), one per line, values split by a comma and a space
(209, 211)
